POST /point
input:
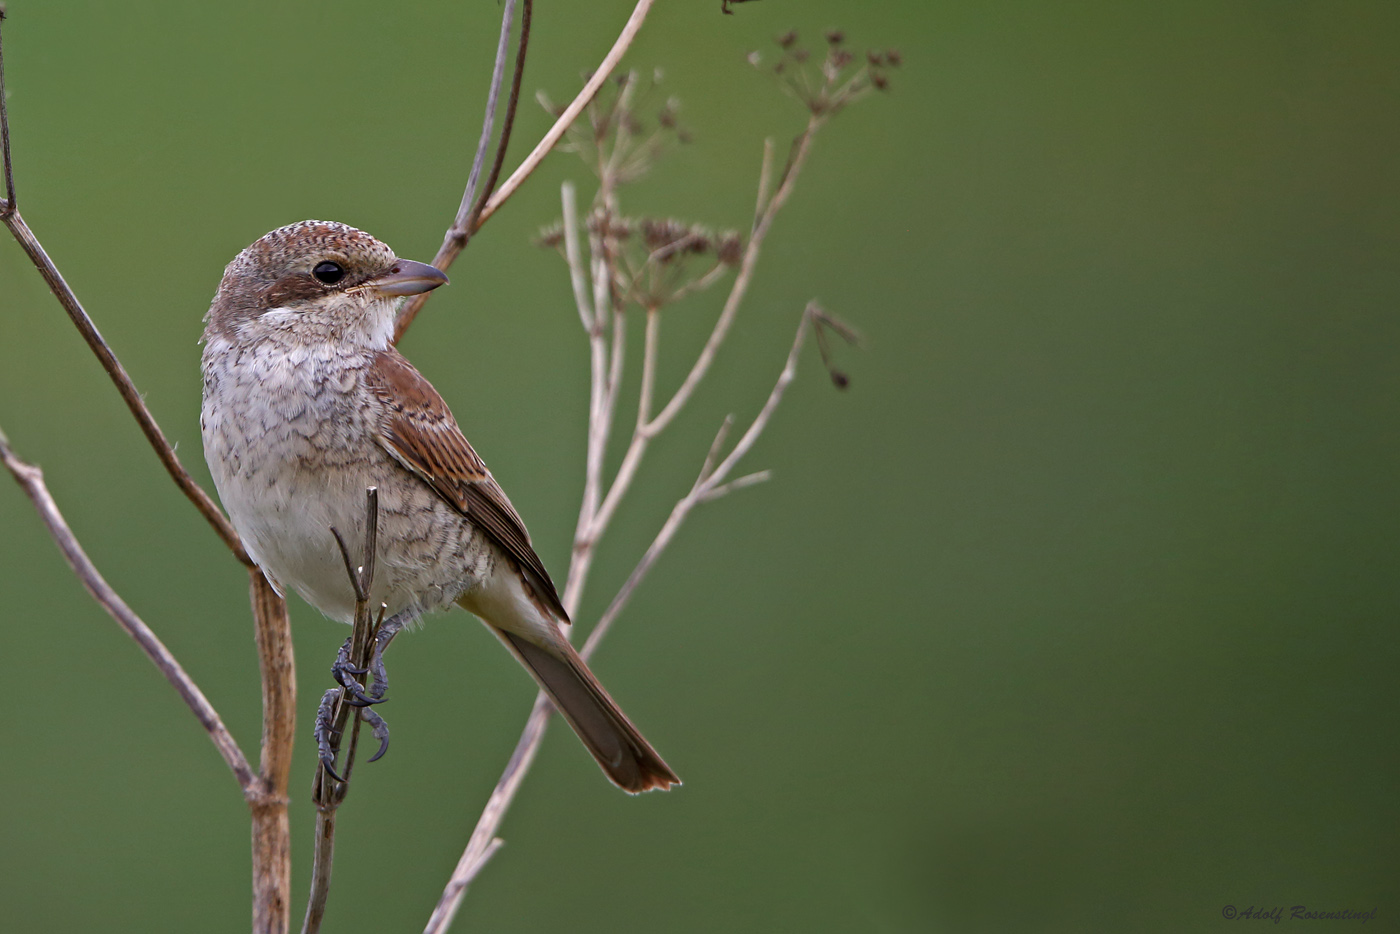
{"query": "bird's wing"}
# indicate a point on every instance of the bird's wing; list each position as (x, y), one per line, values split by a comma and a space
(419, 432)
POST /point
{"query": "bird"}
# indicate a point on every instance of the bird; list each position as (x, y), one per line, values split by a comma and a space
(307, 403)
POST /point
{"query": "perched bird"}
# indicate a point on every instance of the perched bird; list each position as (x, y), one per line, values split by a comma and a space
(307, 403)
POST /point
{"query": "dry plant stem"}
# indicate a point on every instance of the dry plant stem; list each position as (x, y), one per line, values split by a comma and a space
(648, 427)
(7, 203)
(465, 222)
(266, 793)
(9, 212)
(595, 516)
(570, 114)
(460, 229)
(763, 221)
(709, 485)
(527, 12)
(31, 246)
(542, 148)
(31, 480)
(272, 846)
(327, 793)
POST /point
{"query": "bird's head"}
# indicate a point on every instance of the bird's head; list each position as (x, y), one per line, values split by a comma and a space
(316, 282)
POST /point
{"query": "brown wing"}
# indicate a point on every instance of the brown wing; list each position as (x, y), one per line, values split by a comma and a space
(420, 433)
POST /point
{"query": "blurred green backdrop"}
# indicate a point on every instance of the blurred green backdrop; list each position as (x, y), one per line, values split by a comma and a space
(1077, 612)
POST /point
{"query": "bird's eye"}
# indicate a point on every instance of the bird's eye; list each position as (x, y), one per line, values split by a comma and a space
(328, 272)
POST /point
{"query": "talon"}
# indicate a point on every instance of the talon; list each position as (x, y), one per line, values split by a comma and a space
(379, 675)
(324, 732)
(380, 730)
(344, 674)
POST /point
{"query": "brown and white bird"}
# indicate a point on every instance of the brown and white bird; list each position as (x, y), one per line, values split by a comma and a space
(307, 403)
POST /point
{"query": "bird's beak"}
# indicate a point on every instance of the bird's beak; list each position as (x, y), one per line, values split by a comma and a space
(406, 278)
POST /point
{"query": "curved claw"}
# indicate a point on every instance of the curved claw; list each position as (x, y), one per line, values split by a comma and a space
(380, 730)
(324, 730)
(329, 765)
(356, 694)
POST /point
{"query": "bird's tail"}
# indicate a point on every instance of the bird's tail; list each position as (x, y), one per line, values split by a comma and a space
(621, 750)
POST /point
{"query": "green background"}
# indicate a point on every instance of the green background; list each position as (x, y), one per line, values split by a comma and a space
(1076, 612)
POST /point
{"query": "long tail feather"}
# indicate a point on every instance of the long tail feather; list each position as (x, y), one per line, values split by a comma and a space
(621, 750)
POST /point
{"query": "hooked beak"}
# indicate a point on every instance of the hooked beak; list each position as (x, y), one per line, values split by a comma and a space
(406, 278)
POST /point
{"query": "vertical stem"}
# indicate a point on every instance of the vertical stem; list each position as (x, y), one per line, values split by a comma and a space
(272, 851)
(648, 368)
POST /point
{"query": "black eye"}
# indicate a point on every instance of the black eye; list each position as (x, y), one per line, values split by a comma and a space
(328, 272)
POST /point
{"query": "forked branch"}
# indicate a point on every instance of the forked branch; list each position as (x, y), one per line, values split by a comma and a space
(328, 790)
(532, 161)
(31, 480)
(709, 485)
(9, 213)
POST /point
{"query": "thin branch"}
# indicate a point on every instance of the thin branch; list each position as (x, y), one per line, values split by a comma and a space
(465, 222)
(8, 203)
(710, 483)
(649, 350)
(762, 476)
(542, 148)
(460, 229)
(577, 276)
(31, 480)
(641, 438)
(762, 223)
(125, 387)
(473, 222)
(31, 246)
(272, 835)
(327, 791)
(570, 114)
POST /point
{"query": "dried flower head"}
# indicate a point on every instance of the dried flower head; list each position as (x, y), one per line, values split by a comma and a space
(730, 248)
(837, 83)
(617, 134)
(550, 237)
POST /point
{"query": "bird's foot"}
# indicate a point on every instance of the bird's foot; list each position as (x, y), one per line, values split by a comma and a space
(326, 736)
(344, 673)
(379, 675)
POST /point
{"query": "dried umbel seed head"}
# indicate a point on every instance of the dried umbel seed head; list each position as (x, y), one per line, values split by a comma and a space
(604, 224)
(729, 248)
(664, 233)
(550, 237)
(841, 77)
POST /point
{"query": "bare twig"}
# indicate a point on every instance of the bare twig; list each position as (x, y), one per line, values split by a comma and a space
(570, 114)
(574, 259)
(327, 791)
(649, 429)
(710, 484)
(542, 148)
(763, 221)
(35, 251)
(31, 480)
(466, 221)
(267, 792)
(272, 840)
(460, 228)
(512, 106)
(7, 203)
